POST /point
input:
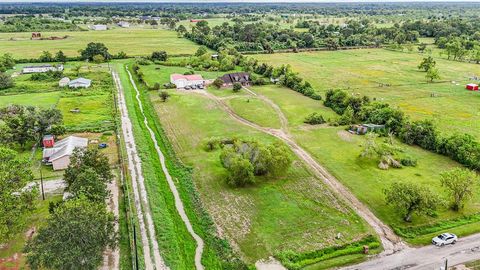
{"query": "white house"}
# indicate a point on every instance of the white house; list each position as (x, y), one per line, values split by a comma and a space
(64, 82)
(124, 24)
(182, 81)
(80, 82)
(41, 69)
(59, 154)
(99, 27)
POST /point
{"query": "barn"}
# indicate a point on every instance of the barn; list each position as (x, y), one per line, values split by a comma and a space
(472, 87)
(182, 81)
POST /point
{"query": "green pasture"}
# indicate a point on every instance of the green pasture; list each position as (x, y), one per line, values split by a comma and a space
(339, 151)
(296, 212)
(132, 41)
(45, 100)
(255, 110)
(393, 77)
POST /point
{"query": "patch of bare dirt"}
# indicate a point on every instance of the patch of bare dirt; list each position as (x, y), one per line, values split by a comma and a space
(345, 135)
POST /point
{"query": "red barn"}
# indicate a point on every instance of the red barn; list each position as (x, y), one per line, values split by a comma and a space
(48, 141)
(472, 87)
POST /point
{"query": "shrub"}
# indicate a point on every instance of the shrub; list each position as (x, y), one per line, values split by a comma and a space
(237, 87)
(5, 81)
(314, 119)
(218, 82)
(408, 161)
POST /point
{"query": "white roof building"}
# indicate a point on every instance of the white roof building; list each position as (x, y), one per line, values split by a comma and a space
(80, 82)
(124, 24)
(182, 81)
(99, 27)
(41, 68)
(59, 154)
(64, 82)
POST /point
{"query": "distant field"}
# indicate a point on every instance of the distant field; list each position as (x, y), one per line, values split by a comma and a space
(132, 41)
(393, 77)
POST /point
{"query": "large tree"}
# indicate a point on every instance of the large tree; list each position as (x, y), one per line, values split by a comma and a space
(93, 49)
(15, 200)
(6, 81)
(75, 236)
(88, 183)
(410, 198)
(460, 184)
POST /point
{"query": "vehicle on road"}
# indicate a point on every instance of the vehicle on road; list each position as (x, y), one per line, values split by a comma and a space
(445, 239)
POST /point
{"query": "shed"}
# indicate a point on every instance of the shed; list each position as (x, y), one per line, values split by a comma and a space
(64, 82)
(59, 155)
(48, 141)
(80, 83)
(472, 87)
(182, 81)
(365, 128)
(99, 27)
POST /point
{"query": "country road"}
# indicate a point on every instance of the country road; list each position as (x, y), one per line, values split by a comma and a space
(428, 257)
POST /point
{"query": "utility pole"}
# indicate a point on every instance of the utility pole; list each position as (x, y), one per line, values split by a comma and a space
(446, 264)
(41, 182)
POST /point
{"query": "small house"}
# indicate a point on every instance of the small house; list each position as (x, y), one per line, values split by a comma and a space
(59, 155)
(98, 27)
(239, 77)
(41, 68)
(48, 141)
(472, 87)
(124, 24)
(80, 83)
(182, 81)
(64, 82)
(365, 128)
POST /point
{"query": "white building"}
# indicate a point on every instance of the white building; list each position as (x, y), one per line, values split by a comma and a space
(124, 24)
(99, 27)
(59, 154)
(80, 82)
(64, 82)
(182, 81)
(41, 69)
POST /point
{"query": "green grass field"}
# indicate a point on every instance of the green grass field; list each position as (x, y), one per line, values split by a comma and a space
(132, 41)
(393, 77)
(339, 152)
(294, 212)
(255, 110)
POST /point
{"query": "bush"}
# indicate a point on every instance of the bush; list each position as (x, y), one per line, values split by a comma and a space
(218, 82)
(5, 81)
(314, 119)
(49, 75)
(408, 161)
(237, 87)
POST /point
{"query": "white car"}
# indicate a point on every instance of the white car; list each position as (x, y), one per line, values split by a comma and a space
(445, 239)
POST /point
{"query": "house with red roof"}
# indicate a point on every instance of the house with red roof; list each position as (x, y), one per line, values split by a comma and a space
(182, 81)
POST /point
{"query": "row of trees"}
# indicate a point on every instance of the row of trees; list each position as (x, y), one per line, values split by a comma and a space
(79, 229)
(25, 124)
(411, 198)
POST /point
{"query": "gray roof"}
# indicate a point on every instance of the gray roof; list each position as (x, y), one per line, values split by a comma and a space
(81, 81)
(39, 66)
(64, 147)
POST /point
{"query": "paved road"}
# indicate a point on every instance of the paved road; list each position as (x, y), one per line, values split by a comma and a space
(428, 257)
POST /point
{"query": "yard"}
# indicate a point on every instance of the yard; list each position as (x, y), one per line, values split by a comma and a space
(135, 41)
(393, 77)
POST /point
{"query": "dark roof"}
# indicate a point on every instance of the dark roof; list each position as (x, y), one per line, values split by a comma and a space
(241, 77)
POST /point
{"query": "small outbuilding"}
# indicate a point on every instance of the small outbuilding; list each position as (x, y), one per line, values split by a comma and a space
(99, 27)
(64, 82)
(124, 24)
(48, 141)
(365, 128)
(41, 69)
(80, 83)
(472, 87)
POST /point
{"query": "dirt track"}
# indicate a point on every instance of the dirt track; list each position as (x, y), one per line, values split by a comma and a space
(391, 242)
(152, 258)
(178, 201)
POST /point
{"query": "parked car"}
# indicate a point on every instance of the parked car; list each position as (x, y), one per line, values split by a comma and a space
(102, 145)
(445, 239)
(194, 87)
(200, 86)
(187, 88)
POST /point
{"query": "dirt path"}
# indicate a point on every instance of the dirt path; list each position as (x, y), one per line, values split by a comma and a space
(178, 202)
(111, 258)
(391, 242)
(153, 260)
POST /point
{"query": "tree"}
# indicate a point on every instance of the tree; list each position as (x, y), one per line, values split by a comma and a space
(5, 81)
(314, 119)
(427, 63)
(164, 95)
(181, 30)
(201, 51)
(460, 184)
(98, 59)
(88, 183)
(422, 47)
(21, 121)
(82, 159)
(46, 56)
(75, 237)
(432, 74)
(240, 172)
(6, 62)
(218, 82)
(60, 57)
(237, 87)
(48, 120)
(410, 198)
(159, 55)
(14, 199)
(348, 117)
(93, 49)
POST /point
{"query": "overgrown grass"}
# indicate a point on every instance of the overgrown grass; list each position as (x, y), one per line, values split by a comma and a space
(294, 261)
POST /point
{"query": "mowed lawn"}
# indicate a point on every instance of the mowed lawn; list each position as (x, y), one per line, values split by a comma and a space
(44, 100)
(133, 41)
(295, 212)
(339, 151)
(393, 77)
